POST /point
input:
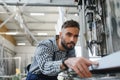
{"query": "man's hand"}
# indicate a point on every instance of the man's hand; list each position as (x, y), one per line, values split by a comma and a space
(80, 66)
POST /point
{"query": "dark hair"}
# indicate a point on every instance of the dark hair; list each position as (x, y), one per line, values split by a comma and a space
(70, 23)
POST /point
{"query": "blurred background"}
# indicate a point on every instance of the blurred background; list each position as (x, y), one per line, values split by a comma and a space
(23, 23)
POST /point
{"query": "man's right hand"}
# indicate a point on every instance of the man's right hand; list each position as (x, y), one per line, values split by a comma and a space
(80, 66)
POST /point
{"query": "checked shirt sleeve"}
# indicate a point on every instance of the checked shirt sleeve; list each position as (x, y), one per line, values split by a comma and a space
(44, 56)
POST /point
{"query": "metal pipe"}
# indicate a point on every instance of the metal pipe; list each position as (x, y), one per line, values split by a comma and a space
(7, 19)
(5, 6)
(40, 4)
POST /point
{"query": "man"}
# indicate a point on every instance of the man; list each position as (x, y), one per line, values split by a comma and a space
(55, 55)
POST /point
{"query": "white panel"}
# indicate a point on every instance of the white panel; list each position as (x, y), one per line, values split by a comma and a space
(110, 61)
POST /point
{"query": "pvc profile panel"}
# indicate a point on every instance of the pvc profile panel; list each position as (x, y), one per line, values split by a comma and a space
(110, 63)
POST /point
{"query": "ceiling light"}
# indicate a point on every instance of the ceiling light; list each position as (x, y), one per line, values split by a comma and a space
(76, 14)
(42, 34)
(11, 33)
(37, 14)
(20, 44)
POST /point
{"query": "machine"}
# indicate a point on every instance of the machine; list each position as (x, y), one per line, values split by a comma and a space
(101, 21)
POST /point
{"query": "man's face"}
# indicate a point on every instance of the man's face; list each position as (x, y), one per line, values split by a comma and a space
(69, 37)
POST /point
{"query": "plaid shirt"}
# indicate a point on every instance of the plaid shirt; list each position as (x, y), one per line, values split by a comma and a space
(48, 58)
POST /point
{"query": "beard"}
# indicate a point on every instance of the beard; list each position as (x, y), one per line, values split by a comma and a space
(64, 44)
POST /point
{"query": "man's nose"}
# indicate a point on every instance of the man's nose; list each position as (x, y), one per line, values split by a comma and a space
(72, 39)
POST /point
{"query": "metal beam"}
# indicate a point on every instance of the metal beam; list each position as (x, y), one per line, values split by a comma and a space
(20, 20)
(48, 22)
(22, 35)
(14, 30)
(50, 12)
(29, 35)
(62, 4)
(10, 17)
(5, 6)
(39, 4)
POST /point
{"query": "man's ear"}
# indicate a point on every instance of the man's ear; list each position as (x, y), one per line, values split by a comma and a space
(60, 33)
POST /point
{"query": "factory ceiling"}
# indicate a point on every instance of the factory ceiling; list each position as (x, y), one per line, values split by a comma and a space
(35, 20)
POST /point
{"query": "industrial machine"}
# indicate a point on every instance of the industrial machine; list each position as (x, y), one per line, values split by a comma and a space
(108, 69)
(101, 21)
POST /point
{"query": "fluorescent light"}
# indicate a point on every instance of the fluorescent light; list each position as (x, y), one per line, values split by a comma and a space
(42, 34)
(37, 14)
(11, 33)
(21, 44)
(76, 14)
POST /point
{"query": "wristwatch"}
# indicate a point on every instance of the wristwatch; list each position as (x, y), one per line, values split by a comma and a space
(66, 67)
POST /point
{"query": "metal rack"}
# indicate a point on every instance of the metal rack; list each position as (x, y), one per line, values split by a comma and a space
(16, 75)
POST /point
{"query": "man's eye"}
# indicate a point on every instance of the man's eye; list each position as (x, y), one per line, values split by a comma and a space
(76, 36)
(68, 34)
